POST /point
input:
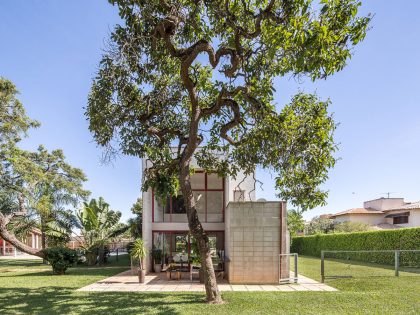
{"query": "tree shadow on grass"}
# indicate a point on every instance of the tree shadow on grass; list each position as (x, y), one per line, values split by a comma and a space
(16, 263)
(59, 300)
(103, 272)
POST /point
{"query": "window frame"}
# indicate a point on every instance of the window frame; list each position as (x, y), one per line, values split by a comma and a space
(403, 218)
(205, 190)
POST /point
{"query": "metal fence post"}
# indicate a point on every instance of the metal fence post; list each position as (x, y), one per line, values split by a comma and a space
(397, 263)
(322, 267)
(296, 268)
(117, 254)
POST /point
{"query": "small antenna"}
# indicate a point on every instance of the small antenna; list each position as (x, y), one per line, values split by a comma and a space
(388, 193)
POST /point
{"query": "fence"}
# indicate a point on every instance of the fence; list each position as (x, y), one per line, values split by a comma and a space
(378, 262)
(286, 265)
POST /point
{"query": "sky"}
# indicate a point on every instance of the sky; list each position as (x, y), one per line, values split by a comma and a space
(50, 49)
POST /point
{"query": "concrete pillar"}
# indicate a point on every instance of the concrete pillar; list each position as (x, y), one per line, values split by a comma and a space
(284, 243)
(36, 240)
(147, 227)
(4, 248)
(15, 251)
(32, 240)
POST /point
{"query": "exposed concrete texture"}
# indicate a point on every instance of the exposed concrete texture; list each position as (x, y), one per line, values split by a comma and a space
(255, 233)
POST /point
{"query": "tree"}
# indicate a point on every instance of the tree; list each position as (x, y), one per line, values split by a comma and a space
(295, 222)
(99, 224)
(319, 225)
(39, 183)
(350, 227)
(55, 184)
(136, 223)
(200, 73)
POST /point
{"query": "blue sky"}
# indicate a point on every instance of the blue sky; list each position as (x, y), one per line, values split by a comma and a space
(50, 50)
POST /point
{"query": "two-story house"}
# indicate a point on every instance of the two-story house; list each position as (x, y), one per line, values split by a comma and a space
(249, 234)
(383, 213)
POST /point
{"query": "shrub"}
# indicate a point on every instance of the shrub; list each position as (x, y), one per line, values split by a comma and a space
(60, 258)
(400, 239)
(350, 227)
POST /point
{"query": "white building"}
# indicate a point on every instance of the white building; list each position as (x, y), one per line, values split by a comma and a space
(246, 235)
(383, 213)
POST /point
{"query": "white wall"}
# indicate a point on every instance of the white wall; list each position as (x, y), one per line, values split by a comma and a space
(372, 219)
(241, 182)
(413, 219)
(383, 203)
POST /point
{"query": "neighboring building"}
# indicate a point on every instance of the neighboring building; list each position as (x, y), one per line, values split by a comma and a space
(383, 213)
(33, 239)
(246, 235)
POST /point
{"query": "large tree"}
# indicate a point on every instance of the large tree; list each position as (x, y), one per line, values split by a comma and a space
(40, 183)
(196, 73)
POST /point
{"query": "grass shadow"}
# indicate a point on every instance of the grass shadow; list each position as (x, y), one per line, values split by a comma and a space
(61, 300)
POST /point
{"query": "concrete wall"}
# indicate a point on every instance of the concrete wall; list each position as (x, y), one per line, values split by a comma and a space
(372, 219)
(253, 241)
(383, 203)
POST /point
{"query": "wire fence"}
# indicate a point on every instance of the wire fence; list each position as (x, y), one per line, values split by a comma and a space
(369, 263)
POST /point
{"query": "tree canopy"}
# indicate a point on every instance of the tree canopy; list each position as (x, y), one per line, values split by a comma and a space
(190, 73)
(38, 183)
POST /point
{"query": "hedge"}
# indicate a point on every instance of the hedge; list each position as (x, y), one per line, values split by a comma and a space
(408, 238)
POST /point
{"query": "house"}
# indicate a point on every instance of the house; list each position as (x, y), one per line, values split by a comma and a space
(246, 235)
(32, 239)
(383, 213)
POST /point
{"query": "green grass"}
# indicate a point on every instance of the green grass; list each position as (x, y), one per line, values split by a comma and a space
(28, 287)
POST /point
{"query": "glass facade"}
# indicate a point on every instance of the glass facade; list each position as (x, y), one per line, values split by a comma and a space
(180, 243)
(208, 191)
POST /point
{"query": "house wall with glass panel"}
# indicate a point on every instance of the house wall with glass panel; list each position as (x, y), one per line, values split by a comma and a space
(165, 223)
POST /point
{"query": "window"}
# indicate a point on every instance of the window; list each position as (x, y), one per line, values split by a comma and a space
(400, 220)
(208, 191)
(198, 181)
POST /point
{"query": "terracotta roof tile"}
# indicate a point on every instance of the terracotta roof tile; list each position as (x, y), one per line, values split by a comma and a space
(357, 211)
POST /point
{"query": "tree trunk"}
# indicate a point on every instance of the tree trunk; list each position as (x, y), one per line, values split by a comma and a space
(43, 238)
(212, 291)
(9, 237)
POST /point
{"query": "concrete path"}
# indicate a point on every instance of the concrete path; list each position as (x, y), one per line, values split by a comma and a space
(126, 282)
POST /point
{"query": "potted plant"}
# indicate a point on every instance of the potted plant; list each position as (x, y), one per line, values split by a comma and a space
(157, 257)
(138, 251)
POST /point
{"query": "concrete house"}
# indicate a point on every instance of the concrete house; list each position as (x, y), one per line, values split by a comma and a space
(246, 235)
(383, 213)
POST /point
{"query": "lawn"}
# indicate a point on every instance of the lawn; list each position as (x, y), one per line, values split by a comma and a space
(28, 287)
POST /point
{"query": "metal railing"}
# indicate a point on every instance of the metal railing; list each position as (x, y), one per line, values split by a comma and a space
(295, 269)
(397, 254)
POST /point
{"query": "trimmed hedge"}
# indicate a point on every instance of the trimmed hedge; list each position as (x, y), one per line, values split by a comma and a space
(408, 238)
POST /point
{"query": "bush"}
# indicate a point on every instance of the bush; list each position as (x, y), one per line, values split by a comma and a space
(60, 258)
(408, 238)
(350, 227)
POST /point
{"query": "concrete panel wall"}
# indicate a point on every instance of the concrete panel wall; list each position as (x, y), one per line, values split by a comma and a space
(253, 241)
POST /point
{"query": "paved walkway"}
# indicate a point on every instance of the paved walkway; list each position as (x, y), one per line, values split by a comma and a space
(125, 281)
